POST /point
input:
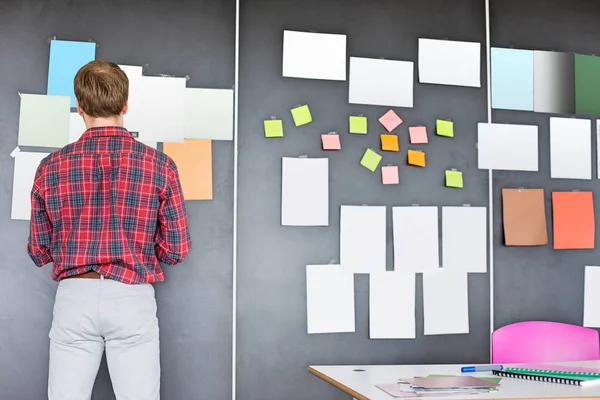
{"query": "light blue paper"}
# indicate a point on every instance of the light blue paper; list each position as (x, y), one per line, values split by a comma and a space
(66, 58)
(512, 79)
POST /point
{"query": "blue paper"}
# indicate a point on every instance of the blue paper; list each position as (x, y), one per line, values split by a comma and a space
(512, 79)
(66, 58)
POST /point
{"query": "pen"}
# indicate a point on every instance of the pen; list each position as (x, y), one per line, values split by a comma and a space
(482, 368)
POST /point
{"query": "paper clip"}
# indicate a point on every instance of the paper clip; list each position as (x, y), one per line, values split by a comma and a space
(303, 156)
(466, 205)
(415, 205)
(51, 39)
(93, 41)
(273, 117)
(332, 262)
(187, 78)
(19, 93)
(145, 67)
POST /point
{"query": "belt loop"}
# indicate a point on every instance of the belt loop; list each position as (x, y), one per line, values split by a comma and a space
(101, 277)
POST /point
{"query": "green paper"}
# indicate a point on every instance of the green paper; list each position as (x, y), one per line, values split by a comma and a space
(587, 84)
(273, 128)
(358, 125)
(301, 115)
(44, 120)
(370, 160)
(454, 179)
(485, 378)
(444, 128)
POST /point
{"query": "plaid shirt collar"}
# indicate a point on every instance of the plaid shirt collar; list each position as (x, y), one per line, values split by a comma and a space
(117, 131)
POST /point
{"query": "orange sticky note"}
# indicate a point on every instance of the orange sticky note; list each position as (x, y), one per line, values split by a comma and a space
(194, 164)
(416, 158)
(418, 134)
(389, 143)
(331, 141)
(573, 220)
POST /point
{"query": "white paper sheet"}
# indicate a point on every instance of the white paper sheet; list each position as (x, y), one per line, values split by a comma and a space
(570, 148)
(507, 147)
(591, 302)
(26, 165)
(208, 114)
(133, 120)
(392, 305)
(305, 191)
(445, 302)
(329, 299)
(163, 109)
(464, 239)
(448, 62)
(416, 239)
(381, 82)
(312, 55)
(76, 127)
(363, 238)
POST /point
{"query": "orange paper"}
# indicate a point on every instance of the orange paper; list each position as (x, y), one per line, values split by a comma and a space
(389, 143)
(194, 164)
(416, 158)
(573, 225)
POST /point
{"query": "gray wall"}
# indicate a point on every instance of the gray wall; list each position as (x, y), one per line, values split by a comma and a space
(539, 282)
(178, 37)
(196, 38)
(273, 347)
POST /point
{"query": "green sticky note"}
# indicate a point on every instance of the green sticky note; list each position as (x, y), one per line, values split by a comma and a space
(587, 84)
(301, 115)
(370, 160)
(358, 125)
(273, 128)
(44, 120)
(454, 179)
(444, 128)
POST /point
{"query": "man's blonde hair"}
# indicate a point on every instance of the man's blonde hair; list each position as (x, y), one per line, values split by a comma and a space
(101, 88)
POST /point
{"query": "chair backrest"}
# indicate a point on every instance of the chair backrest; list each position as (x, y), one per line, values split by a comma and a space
(541, 341)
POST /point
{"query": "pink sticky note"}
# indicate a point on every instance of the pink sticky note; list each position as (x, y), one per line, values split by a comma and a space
(418, 134)
(390, 120)
(331, 142)
(389, 175)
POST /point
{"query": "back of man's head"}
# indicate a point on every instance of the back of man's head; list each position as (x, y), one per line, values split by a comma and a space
(102, 89)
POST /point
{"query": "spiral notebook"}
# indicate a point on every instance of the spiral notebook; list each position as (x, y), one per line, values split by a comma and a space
(550, 378)
(556, 370)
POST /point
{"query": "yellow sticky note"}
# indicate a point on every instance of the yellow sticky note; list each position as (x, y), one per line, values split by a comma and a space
(273, 128)
(194, 164)
(358, 124)
(416, 158)
(444, 128)
(370, 160)
(454, 179)
(389, 143)
(301, 115)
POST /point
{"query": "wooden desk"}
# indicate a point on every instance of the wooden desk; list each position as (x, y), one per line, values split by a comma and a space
(361, 384)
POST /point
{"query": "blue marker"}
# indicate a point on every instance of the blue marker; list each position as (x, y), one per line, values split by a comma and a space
(482, 368)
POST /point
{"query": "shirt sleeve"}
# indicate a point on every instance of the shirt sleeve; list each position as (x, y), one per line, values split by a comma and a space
(39, 243)
(172, 236)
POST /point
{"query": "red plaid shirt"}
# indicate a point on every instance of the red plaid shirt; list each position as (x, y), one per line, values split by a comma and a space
(110, 204)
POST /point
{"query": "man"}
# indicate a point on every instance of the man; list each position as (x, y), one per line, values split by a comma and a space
(105, 210)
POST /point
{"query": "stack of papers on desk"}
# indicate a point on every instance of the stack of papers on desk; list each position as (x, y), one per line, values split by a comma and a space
(438, 386)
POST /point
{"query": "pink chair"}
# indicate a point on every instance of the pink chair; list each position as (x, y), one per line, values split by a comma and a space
(541, 341)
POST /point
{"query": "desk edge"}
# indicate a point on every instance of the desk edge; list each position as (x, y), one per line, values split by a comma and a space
(337, 384)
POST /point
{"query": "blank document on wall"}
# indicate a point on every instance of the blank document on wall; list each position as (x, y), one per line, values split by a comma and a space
(392, 305)
(445, 302)
(329, 299)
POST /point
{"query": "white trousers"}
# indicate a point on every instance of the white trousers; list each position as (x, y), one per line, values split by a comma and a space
(91, 315)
